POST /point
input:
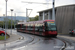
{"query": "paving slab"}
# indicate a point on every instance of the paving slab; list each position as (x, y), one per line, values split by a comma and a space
(67, 37)
(12, 38)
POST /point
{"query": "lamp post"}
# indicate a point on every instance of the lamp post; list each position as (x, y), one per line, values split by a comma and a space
(6, 19)
(15, 20)
(3, 20)
(11, 20)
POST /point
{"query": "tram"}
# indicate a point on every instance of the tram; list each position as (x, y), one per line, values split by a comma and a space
(44, 27)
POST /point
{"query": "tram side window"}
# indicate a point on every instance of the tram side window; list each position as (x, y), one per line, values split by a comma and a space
(41, 27)
(36, 28)
(18, 26)
(28, 27)
(31, 26)
(23, 26)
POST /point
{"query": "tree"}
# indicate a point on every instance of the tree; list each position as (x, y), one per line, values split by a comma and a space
(35, 18)
(1, 23)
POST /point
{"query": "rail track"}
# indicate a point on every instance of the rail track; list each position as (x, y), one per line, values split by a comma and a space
(37, 40)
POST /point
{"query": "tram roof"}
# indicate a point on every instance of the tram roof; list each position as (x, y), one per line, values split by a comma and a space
(34, 22)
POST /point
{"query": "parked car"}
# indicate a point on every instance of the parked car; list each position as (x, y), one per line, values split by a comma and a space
(2, 33)
(72, 32)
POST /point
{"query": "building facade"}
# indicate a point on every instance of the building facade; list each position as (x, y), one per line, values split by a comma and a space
(64, 17)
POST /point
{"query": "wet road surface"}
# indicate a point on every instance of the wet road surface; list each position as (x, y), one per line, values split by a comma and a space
(33, 42)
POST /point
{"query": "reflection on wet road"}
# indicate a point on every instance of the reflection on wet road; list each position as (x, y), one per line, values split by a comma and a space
(33, 42)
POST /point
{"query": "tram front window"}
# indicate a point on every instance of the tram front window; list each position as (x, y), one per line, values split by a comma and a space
(50, 26)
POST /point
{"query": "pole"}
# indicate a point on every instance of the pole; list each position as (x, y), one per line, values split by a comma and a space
(15, 21)
(26, 14)
(3, 21)
(53, 11)
(6, 20)
(11, 21)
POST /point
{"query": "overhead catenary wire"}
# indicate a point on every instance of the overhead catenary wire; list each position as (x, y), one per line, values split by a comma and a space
(34, 2)
(42, 3)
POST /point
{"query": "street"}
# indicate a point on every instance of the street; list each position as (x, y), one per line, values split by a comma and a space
(34, 42)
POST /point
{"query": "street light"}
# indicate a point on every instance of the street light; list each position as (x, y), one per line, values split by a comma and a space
(6, 19)
(11, 20)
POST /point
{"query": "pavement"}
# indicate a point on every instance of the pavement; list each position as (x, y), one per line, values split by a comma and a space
(67, 37)
(13, 37)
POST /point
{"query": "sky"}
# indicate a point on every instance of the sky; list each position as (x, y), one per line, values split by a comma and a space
(20, 8)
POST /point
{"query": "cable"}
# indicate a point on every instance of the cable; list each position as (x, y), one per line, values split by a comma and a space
(34, 2)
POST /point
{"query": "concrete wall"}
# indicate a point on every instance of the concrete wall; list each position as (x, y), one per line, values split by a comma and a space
(65, 18)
